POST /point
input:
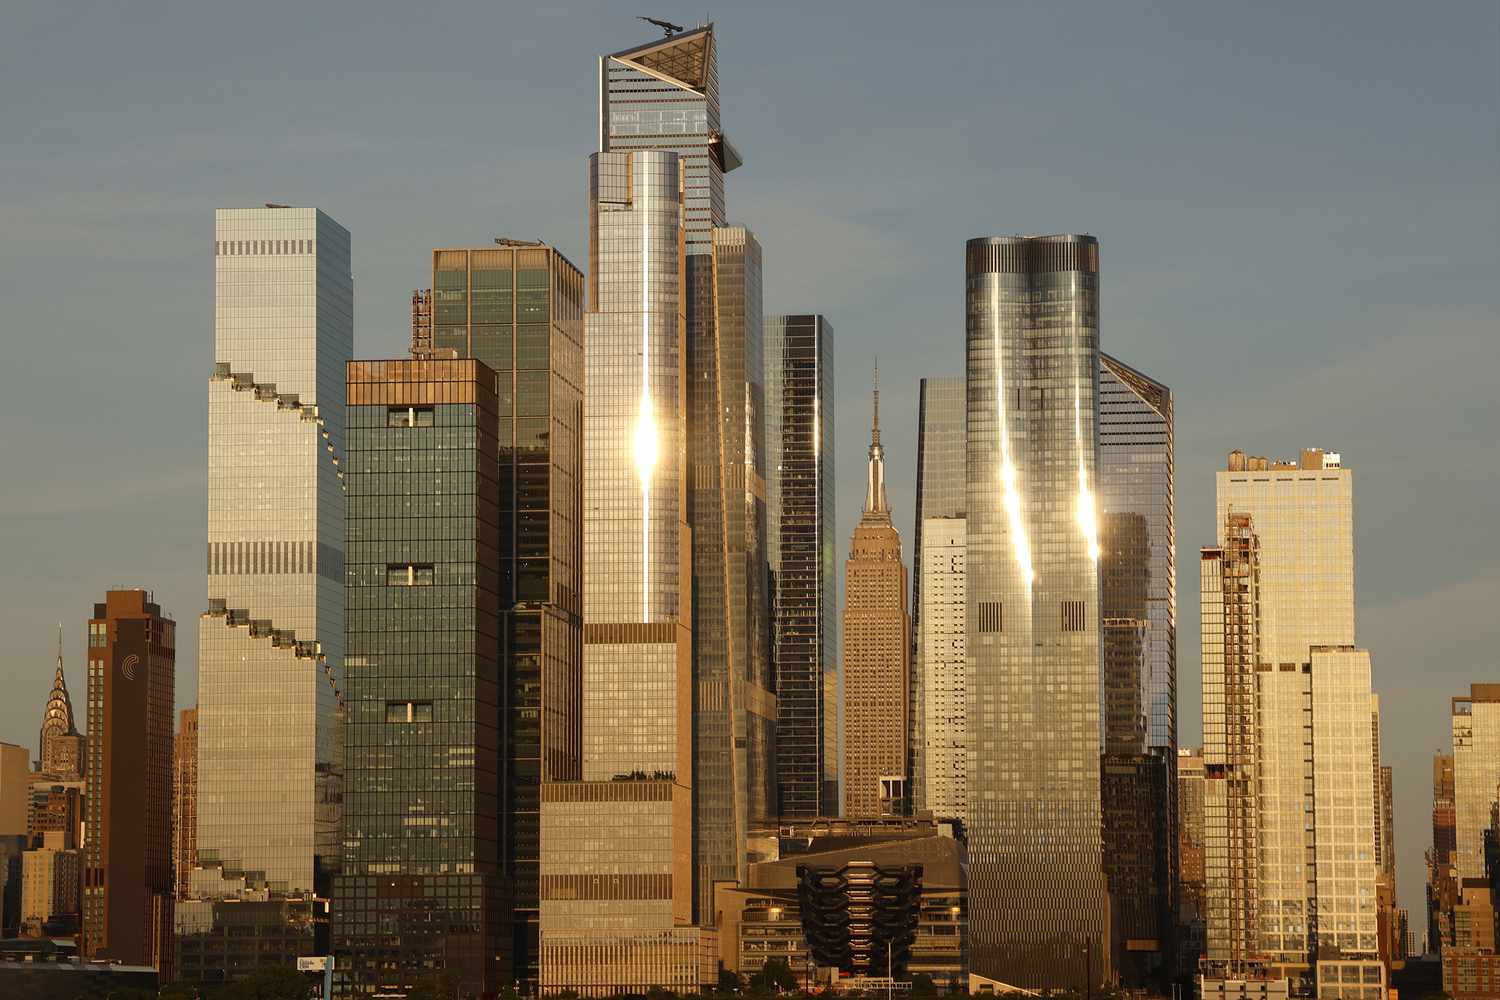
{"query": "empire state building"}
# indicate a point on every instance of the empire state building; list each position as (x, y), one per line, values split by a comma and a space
(877, 652)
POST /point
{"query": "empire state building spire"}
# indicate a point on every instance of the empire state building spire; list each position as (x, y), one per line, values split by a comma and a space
(877, 652)
(875, 502)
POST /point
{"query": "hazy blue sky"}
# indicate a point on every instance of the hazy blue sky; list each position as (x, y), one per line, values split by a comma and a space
(1296, 204)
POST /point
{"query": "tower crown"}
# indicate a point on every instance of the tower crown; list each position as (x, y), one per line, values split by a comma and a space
(875, 501)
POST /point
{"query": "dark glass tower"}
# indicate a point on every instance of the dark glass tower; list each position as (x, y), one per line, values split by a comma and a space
(519, 310)
(1138, 584)
(1038, 903)
(422, 882)
(800, 498)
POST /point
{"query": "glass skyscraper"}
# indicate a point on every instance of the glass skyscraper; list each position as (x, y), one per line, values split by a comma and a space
(734, 714)
(1038, 912)
(1138, 600)
(616, 873)
(519, 310)
(270, 661)
(800, 516)
(939, 754)
(664, 96)
(422, 885)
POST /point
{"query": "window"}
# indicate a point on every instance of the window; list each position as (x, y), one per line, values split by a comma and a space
(408, 416)
(991, 618)
(408, 575)
(1072, 616)
(408, 711)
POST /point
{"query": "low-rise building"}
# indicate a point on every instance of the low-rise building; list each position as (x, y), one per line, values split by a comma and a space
(1469, 974)
(762, 919)
(51, 877)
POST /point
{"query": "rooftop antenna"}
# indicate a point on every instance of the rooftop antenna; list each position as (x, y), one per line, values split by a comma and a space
(666, 26)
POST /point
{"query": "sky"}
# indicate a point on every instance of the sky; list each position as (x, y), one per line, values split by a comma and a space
(1297, 207)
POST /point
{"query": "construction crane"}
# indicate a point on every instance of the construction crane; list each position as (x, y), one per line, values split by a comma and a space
(667, 26)
(506, 241)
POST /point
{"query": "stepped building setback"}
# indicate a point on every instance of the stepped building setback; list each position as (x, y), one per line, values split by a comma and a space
(270, 651)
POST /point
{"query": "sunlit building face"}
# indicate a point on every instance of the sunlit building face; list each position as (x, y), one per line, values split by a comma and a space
(1038, 905)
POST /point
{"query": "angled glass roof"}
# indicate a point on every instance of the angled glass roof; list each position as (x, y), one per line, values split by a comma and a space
(682, 59)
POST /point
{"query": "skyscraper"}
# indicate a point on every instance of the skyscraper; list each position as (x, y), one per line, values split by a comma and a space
(1190, 856)
(271, 643)
(734, 712)
(617, 866)
(1444, 843)
(939, 735)
(14, 787)
(664, 96)
(127, 888)
(942, 643)
(1038, 902)
(519, 310)
(1138, 602)
(1308, 705)
(1476, 774)
(1230, 607)
(425, 680)
(800, 532)
(185, 799)
(877, 652)
(60, 746)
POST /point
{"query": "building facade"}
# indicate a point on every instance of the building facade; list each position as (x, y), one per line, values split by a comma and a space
(1444, 842)
(127, 886)
(734, 714)
(939, 677)
(800, 512)
(877, 652)
(1038, 899)
(271, 641)
(1287, 696)
(1476, 774)
(15, 782)
(1191, 783)
(424, 686)
(616, 872)
(519, 310)
(185, 799)
(942, 645)
(1229, 601)
(51, 877)
(1138, 582)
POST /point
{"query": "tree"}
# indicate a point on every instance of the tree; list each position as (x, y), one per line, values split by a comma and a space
(922, 988)
(269, 984)
(442, 985)
(730, 982)
(775, 976)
